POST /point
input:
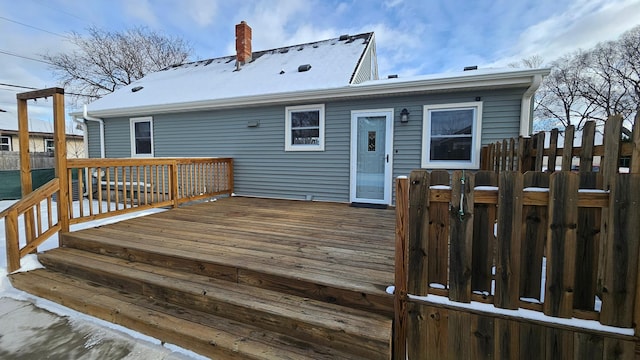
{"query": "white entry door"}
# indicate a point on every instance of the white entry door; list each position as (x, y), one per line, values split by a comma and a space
(371, 158)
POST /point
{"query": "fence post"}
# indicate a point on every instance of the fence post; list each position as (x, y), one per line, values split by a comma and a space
(400, 294)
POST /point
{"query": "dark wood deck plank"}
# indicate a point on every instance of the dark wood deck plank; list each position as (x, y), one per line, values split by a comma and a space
(205, 333)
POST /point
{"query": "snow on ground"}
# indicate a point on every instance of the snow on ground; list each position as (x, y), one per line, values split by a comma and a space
(76, 320)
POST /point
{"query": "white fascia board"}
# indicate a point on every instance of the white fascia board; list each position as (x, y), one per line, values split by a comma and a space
(522, 78)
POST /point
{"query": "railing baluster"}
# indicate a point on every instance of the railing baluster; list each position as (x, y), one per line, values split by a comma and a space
(99, 188)
(38, 220)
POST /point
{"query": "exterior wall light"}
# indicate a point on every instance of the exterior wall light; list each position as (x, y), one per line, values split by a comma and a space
(404, 116)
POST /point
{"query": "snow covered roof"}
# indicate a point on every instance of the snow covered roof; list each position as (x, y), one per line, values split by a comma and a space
(9, 123)
(333, 63)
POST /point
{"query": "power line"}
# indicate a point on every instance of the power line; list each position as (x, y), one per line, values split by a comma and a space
(19, 86)
(33, 27)
(62, 11)
(33, 88)
(23, 57)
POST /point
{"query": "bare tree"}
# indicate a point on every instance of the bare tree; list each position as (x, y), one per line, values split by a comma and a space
(103, 61)
(594, 84)
(560, 98)
(531, 62)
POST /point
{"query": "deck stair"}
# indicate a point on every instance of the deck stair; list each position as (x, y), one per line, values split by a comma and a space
(219, 306)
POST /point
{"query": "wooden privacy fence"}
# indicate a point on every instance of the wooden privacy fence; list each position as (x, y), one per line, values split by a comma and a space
(525, 250)
(111, 187)
(534, 154)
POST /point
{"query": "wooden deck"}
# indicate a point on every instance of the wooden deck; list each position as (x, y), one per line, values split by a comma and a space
(236, 278)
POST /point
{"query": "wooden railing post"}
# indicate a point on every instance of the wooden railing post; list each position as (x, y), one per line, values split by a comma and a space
(60, 143)
(230, 174)
(13, 245)
(25, 164)
(400, 294)
(173, 186)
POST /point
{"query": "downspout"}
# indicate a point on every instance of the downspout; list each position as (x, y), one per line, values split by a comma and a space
(525, 107)
(86, 117)
(85, 138)
(85, 142)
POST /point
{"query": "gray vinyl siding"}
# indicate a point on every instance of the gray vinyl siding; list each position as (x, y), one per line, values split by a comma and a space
(263, 168)
(93, 139)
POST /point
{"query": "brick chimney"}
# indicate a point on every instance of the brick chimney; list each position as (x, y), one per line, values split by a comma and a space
(243, 43)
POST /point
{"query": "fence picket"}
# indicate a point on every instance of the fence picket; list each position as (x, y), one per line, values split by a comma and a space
(553, 151)
(417, 260)
(484, 219)
(622, 248)
(539, 145)
(459, 335)
(509, 240)
(567, 148)
(418, 232)
(461, 241)
(507, 339)
(439, 233)
(561, 244)
(586, 147)
(635, 150)
(534, 234)
(612, 130)
(532, 342)
(587, 243)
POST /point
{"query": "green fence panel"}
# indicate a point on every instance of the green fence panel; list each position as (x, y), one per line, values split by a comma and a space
(10, 187)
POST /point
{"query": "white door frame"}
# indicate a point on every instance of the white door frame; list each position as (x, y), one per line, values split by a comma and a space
(388, 168)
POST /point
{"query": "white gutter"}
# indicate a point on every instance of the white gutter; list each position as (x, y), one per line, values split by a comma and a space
(525, 107)
(86, 116)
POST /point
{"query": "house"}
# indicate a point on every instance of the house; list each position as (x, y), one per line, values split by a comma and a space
(40, 136)
(313, 121)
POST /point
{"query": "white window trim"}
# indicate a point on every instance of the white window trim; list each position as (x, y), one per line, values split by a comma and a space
(287, 129)
(52, 147)
(9, 140)
(132, 122)
(476, 134)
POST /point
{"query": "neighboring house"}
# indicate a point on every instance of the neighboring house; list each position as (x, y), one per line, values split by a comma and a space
(40, 136)
(313, 121)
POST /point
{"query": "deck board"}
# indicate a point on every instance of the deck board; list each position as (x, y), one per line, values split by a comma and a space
(281, 244)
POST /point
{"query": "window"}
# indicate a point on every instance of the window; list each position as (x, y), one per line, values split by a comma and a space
(304, 128)
(5, 143)
(451, 136)
(142, 137)
(49, 145)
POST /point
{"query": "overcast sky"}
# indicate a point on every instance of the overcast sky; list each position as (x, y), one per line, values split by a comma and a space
(413, 37)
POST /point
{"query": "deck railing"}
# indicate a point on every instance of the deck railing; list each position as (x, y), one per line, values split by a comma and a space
(110, 187)
(36, 227)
